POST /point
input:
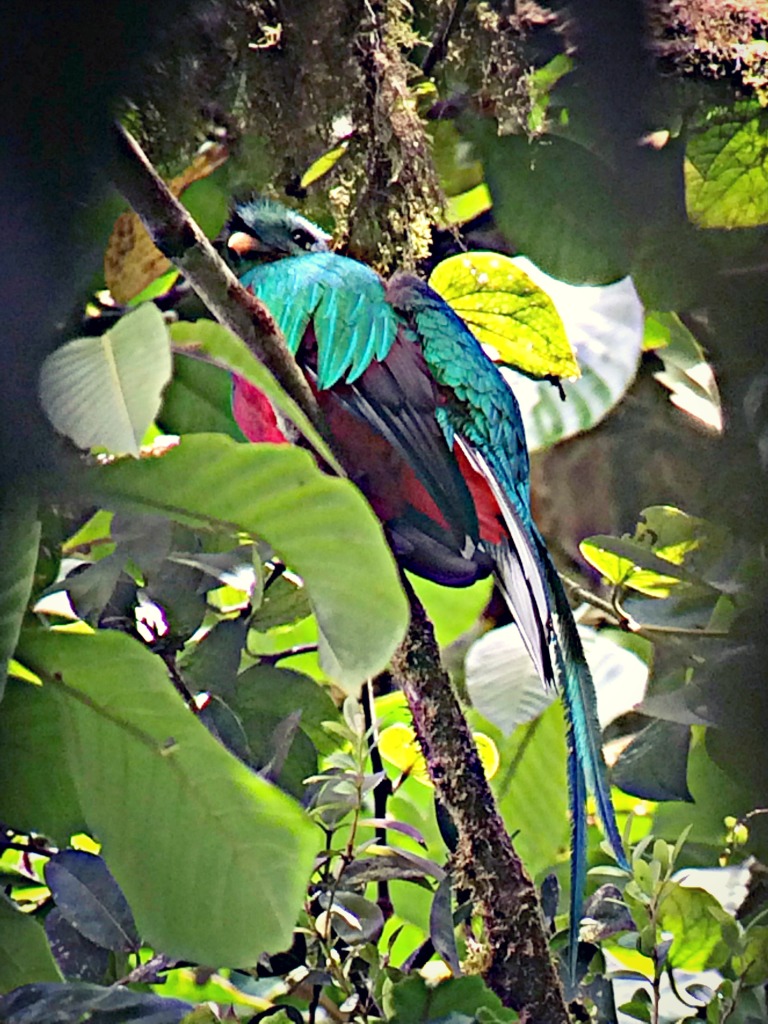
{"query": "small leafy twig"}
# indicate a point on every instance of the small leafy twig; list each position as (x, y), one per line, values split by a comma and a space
(147, 973)
(381, 792)
(621, 618)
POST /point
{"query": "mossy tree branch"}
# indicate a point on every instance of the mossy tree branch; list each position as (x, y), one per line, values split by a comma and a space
(519, 968)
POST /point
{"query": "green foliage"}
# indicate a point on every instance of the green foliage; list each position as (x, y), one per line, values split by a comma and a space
(570, 223)
(726, 168)
(656, 559)
(314, 522)
(105, 391)
(127, 732)
(19, 539)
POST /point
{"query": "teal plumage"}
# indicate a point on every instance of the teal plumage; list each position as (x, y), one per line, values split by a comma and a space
(434, 436)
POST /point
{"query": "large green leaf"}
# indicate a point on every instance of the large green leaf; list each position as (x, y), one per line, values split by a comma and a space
(24, 953)
(506, 310)
(556, 203)
(726, 167)
(37, 793)
(214, 861)
(19, 540)
(319, 525)
(106, 391)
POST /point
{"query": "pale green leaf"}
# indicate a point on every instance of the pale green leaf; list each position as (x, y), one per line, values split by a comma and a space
(323, 164)
(145, 767)
(697, 942)
(507, 311)
(106, 391)
(319, 525)
(468, 205)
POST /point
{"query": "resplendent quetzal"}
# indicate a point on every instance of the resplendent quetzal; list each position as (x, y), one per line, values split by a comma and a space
(431, 432)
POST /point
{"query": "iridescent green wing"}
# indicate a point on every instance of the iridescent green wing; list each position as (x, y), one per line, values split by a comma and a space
(343, 300)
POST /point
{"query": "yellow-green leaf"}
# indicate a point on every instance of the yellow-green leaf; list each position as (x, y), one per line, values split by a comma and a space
(323, 164)
(507, 312)
(726, 167)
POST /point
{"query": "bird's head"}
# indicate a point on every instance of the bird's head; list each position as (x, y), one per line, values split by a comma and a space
(261, 230)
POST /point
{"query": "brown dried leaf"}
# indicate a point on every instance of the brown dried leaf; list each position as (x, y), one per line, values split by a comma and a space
(132, 261)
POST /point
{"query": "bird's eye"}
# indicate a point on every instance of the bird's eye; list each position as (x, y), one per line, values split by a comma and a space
(302, 238)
